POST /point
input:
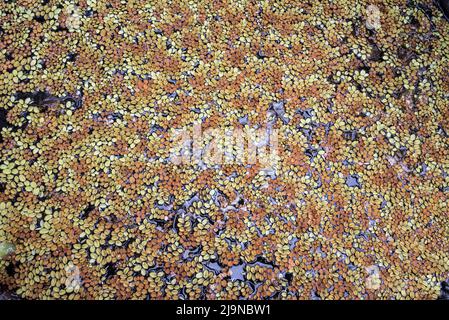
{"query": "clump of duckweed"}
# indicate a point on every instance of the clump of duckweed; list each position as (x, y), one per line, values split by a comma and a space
(97, 98)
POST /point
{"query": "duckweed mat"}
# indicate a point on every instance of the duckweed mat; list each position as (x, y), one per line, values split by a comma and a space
(224, 149)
